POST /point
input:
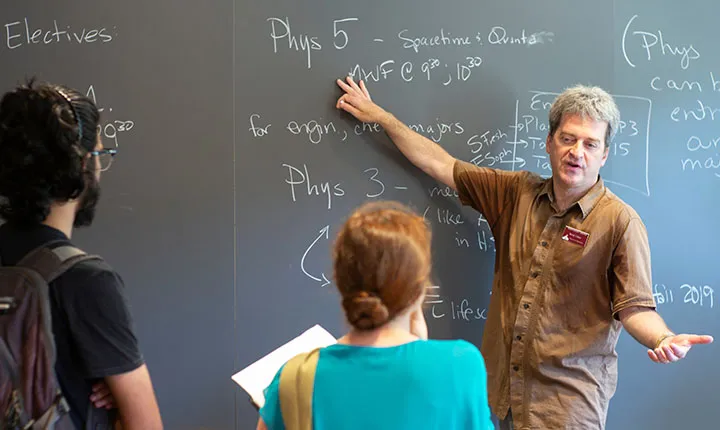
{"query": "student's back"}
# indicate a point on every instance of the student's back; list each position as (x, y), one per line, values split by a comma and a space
(424, 384)
(384, 373)
(51, 161)
(91, 323)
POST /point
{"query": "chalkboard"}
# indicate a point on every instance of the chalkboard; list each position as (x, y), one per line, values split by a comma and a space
(235, 169)
(165, 218)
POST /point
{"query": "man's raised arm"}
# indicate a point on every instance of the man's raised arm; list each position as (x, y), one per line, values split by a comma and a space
(421, 151)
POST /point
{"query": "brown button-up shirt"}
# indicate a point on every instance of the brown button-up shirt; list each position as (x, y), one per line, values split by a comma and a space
(561, 277)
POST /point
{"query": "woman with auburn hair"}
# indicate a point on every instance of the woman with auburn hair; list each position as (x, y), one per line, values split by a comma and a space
(384, 373)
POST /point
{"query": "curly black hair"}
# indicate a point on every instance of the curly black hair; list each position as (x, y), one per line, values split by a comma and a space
(46, 130)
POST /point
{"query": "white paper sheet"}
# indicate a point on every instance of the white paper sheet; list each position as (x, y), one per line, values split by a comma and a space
(257, 376)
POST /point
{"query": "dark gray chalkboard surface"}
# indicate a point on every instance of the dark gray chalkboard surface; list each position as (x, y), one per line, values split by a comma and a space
(235, 170)
(162, 73)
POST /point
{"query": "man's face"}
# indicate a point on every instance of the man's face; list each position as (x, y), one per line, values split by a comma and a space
(577, 151)
(85, 212)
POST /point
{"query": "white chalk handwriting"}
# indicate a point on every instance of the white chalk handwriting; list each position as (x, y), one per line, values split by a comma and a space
(26, 33)
(109, 129)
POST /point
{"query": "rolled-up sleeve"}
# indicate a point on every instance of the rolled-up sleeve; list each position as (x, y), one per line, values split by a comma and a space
(487, 190)
(630, 272)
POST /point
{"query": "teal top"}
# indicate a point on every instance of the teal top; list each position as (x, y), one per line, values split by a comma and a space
(425, 384)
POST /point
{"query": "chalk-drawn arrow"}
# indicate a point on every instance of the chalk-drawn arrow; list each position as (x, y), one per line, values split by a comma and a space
(325, 231)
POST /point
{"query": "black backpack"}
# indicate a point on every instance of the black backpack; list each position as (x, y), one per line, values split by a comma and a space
(30, 395)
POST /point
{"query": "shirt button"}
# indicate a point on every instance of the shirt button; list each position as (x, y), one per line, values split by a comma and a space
(516, 368)
(534, 274)
(526, 305)
(518, 337)
(544, 243)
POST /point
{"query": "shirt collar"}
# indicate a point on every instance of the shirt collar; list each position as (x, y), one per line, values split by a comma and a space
(586, 202)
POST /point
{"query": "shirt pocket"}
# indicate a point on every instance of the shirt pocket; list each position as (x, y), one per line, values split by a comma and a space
(578, 295)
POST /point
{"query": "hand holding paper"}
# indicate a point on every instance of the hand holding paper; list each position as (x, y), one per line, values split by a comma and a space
(257, 376)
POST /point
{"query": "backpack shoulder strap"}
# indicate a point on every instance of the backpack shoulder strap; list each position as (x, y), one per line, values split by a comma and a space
(297, 381)
(44, 264)
(51, 262)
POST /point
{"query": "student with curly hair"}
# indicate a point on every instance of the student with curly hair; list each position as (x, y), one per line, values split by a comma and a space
(50, 163)
(385, 373)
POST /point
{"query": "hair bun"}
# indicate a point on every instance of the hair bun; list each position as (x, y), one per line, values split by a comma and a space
(365, 311)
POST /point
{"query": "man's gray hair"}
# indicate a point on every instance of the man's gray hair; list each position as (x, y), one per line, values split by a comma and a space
(590, 102)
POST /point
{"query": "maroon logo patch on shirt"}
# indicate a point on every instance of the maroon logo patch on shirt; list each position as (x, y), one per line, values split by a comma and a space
(575, 236)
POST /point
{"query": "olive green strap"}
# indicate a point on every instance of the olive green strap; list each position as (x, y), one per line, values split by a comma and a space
(296, 390)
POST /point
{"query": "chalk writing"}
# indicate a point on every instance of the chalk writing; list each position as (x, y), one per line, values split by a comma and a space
(300, 182)
(711, 163)
(460, 310)
(285, 37)
(484, 239)
(488, 159)
(497, 35)
(315, 130)
(500, 36)
(257, 130)
(654, 43)
(461, 242)
(702, 295)
(433, 298)
(482, 220)
(322, 279)
(433, 130)
(23, 33)
(430, 69)
(532, 124)
(281, 34)
(700, 113)
(694, 295)
(659, 84)
(378, 183)
(465, 312)
(486, 243)
(373, 73)
(340, 34)
(662, 294)
(630, 127)
(437, 130)
(695, 143)
(442, 192)
(515, 163)
(442, 39)
(109, 129)
(445, 216)
(484, 141)
(365, 127)
(703, 151)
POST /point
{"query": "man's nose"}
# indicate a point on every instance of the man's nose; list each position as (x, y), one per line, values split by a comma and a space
(576, 151)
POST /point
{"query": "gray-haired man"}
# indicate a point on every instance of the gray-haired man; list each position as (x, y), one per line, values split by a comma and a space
(572, 267)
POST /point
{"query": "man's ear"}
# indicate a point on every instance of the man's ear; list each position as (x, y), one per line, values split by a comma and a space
(605, 154)
(548, 142)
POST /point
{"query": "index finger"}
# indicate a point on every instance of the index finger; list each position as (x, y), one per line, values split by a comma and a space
(352, 83)
(347, 88)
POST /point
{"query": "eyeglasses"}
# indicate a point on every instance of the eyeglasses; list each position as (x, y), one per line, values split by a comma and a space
(105, 157)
